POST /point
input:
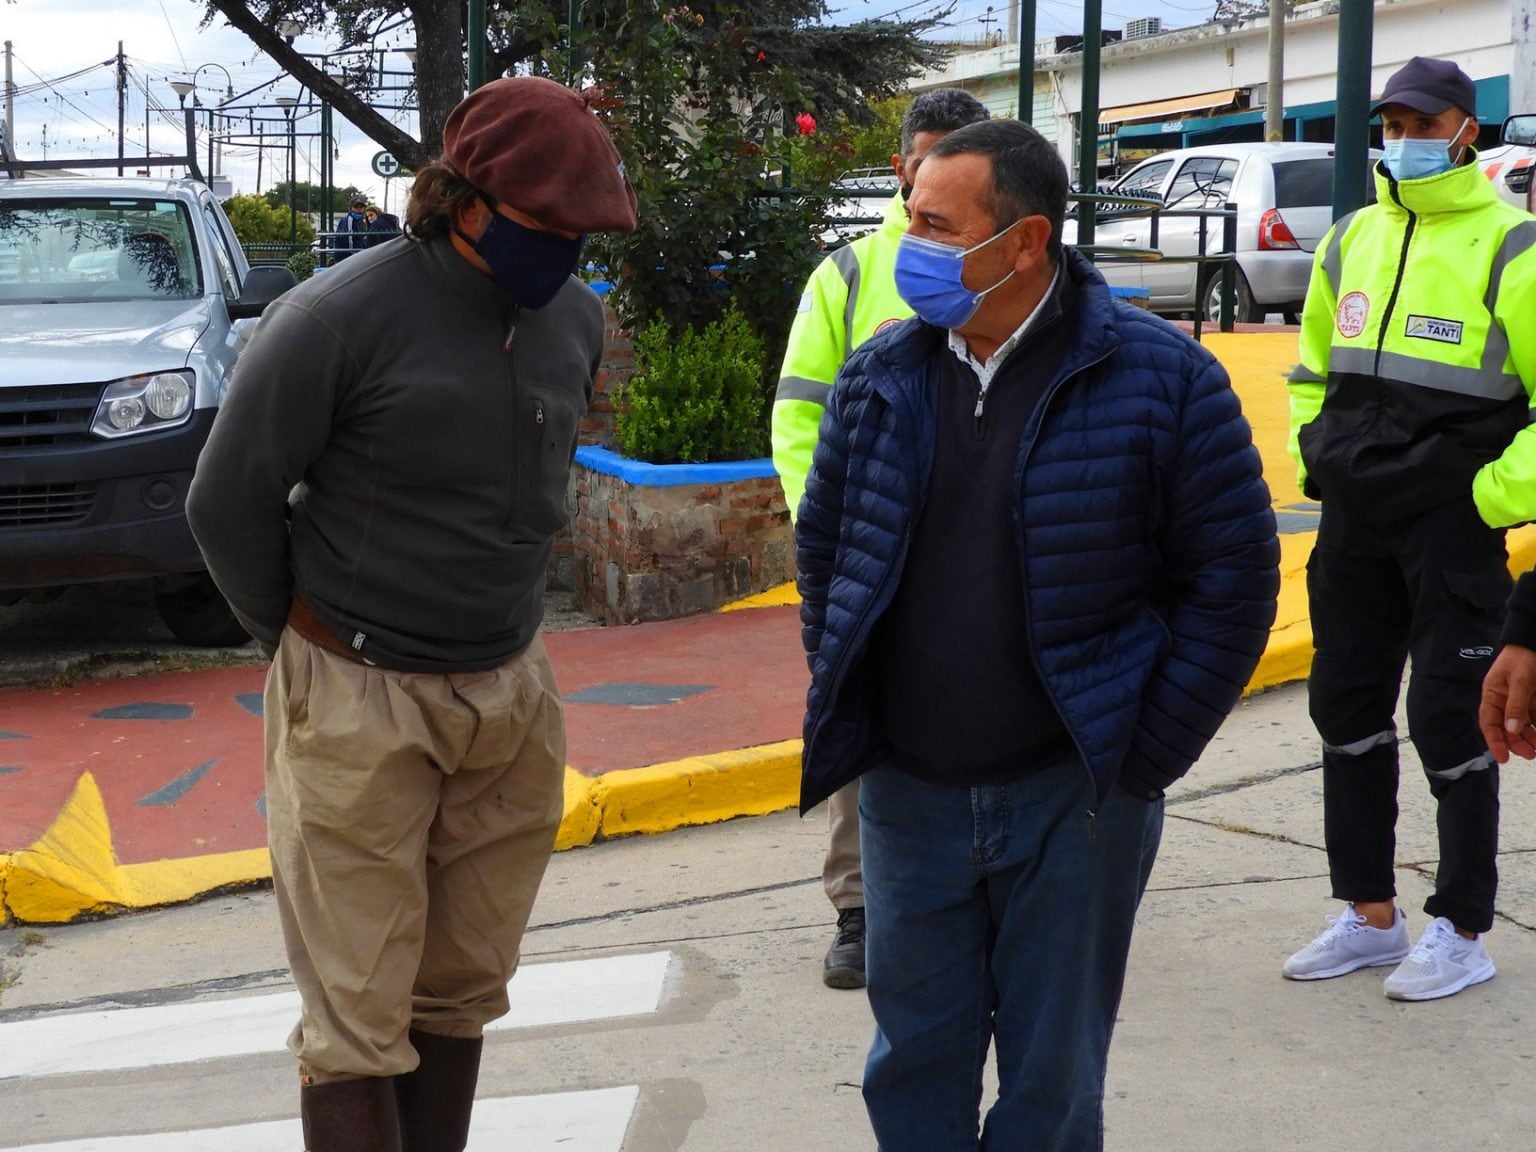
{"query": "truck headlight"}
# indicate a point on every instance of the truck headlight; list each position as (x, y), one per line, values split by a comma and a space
(144, 404)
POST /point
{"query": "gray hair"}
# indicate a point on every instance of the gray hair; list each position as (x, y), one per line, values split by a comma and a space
(942, 110)
(1028, 175)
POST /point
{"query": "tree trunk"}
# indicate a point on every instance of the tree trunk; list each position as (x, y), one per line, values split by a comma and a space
(439, 67)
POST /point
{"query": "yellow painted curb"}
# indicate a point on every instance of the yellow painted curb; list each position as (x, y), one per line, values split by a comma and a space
(696, 790)
(774, 597)
(72, 870)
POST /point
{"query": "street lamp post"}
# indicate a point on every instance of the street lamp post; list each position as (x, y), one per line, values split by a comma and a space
(287, 104)
(214, 163)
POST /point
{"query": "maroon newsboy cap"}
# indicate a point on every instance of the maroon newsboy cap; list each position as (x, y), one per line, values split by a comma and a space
(536, 146)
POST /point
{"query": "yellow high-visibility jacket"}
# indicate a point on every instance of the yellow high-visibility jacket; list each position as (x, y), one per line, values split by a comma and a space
(851, 296)
(1418, 353)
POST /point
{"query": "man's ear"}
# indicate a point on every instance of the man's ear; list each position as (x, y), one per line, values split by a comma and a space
(898, 167)
(1034, 242)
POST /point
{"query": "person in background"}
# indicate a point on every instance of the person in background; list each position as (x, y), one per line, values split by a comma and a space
(1410, 423)
(851, 296)
(352, 230)
(381, 226)
(377, 501)
(1037, 564)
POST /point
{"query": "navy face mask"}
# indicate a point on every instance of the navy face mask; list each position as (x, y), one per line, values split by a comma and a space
(528, 265)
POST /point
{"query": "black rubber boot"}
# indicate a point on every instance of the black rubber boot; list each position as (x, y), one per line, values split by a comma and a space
(351, 1116)
(844, 966)
(436, 1099)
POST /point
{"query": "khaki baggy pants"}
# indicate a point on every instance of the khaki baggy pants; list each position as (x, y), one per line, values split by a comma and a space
(410, 819)
(841, 871)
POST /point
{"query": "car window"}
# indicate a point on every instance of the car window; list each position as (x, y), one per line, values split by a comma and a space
(83, 249)
(1146, 180)
(1202, 181)
(221, 254)
(1309, 183)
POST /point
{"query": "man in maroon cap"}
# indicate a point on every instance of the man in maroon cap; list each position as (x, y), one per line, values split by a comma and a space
(376, 502)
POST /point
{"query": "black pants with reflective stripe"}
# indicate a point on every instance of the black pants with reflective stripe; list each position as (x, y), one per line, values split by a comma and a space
(1432, 591)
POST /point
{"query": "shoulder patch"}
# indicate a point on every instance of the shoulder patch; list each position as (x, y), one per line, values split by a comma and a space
(805, 302)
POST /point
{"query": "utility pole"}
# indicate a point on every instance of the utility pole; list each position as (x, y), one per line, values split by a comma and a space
(10, 104)
(1351, 122)
(122, 100)
(1274, 102)
(261, 150)
(1088, 118)
(1023, 19)
(476, 44)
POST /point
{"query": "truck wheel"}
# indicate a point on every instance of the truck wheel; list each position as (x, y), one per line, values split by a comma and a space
(197, 614)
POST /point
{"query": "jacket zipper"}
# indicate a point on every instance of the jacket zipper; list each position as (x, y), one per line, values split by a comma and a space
(1397, 283)
(1029, 635)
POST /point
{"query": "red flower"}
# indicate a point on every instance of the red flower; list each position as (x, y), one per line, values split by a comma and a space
(761, 56)
(806, 123)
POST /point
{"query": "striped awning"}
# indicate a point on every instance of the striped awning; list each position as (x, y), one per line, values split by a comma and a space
(1168, 109)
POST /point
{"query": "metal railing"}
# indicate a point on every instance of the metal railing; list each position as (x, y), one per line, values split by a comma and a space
(1224, 260)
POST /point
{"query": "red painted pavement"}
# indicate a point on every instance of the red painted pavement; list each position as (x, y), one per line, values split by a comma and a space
(749, 664)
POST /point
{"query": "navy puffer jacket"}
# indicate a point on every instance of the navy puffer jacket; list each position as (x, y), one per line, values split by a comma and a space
(1146, 540)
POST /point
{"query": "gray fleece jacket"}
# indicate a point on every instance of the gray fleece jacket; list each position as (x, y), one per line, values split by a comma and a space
(395, 447)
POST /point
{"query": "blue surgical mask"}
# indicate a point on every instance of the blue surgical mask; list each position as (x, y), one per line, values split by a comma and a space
(1411, 159)
(530, 266)
(928, 278)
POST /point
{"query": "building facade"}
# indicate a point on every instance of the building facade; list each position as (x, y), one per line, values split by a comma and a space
(1208, 84)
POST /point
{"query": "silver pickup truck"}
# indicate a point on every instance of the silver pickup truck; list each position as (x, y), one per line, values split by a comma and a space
(124, 305)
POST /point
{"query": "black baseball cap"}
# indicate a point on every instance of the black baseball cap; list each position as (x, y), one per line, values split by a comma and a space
(1429, 86)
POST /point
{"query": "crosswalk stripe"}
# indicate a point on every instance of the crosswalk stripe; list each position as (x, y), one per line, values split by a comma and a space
(594, 1121)
(563, 992)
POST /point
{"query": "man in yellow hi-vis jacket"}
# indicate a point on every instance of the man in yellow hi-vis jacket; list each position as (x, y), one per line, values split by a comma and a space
(851, 296)
(1410, 420)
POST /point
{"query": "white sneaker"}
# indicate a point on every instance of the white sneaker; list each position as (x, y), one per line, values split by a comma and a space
(1349, 943)
(1442, 963)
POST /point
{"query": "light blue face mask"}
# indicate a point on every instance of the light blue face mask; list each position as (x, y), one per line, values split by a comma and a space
(1410, 159)
(928, 278)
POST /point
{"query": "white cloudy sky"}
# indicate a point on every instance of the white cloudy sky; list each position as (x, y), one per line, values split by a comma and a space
(66, 95)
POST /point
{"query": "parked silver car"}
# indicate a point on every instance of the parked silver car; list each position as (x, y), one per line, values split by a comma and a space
(1284, 198)
(124, 304)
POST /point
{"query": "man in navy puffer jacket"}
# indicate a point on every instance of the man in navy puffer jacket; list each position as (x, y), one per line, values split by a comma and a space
(1038, 565)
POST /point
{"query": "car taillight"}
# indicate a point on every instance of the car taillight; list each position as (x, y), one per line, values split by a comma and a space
(1273, 233)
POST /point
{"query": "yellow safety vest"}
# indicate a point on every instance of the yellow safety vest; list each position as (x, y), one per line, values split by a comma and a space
(1420, 326)
(851, 296)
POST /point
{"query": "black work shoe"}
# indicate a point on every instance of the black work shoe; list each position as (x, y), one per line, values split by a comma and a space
(844, 966)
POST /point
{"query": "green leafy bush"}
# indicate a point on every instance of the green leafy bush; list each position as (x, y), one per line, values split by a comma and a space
(694, 397)
(303, 264)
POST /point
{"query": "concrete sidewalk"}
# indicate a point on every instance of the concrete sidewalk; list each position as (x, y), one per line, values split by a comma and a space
(144, 791)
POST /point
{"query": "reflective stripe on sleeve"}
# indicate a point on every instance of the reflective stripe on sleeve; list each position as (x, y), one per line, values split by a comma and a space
(1301, 374)
(1517, 241)
(802, 388)
(1333, 258)
(847, 262)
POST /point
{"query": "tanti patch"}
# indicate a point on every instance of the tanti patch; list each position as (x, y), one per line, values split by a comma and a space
(1433, 328)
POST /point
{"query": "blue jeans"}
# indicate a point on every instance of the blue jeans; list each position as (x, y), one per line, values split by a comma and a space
(998, 914)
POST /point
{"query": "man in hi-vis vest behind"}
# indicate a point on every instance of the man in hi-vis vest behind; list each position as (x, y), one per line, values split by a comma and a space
(851, 296)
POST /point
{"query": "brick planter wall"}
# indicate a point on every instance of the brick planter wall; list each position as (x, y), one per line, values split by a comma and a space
(596, 428)
(653, 542)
